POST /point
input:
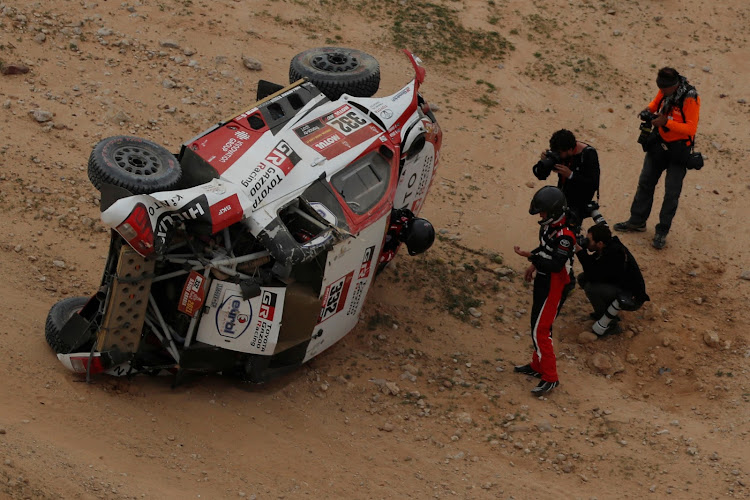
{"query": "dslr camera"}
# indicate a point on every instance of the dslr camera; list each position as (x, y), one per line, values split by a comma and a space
(646, 128)
(544, 167)
(592, 209)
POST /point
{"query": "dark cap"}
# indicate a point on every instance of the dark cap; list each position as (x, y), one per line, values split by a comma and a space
(667, 77)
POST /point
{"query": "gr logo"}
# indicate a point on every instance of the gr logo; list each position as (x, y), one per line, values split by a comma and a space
(267, 306)
(242, 135)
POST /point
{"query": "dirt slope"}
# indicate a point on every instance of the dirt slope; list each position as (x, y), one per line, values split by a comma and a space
(661, 409)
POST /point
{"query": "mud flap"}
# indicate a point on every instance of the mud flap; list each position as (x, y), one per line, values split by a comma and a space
(206, 358)
(76, 332)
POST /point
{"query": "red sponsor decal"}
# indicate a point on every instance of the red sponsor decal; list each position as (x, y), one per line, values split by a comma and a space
(334, 297)
(222, 147)
(283, 157)
(193, 294)
(225, 213)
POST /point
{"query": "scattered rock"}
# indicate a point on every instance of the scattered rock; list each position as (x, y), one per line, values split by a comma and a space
(463, 418)
(120, 117)
(711, 338)
(252, 64)
(587, 337)
(170, 44)
(13, 69)
(605, 365)
(745, 275)
(391, 388)
(41, 115)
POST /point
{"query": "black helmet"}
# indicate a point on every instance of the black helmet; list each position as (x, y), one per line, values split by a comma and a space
(550, 200)
(418, 235)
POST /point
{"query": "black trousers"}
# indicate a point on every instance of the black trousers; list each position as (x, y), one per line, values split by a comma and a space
(654, 164)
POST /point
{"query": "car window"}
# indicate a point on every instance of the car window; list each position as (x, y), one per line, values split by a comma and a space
(363, 183)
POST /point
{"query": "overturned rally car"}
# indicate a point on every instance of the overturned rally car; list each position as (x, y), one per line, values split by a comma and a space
(252, 250)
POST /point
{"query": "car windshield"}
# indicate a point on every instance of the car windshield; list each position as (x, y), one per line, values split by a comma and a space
(363, 183)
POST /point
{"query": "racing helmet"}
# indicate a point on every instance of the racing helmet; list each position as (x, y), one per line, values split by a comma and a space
(419, 235)
(550, 200)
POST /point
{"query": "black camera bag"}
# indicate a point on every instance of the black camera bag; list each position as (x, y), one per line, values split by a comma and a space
(695, 161)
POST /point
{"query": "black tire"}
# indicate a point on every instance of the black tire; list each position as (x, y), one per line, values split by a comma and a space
(133, 163)
(336, 71)
(56, 319)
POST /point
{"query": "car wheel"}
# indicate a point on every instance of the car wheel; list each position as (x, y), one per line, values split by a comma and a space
(336, 71)
(59, 314)
(133, 163)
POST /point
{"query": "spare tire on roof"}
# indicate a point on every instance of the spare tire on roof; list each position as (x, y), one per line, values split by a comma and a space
(337, 70)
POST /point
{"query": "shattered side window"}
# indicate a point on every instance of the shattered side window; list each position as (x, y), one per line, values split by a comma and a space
(363, 183)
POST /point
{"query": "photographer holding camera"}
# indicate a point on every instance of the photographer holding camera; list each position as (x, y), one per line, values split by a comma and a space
(577, 166)
(611, 278)
(673, 114)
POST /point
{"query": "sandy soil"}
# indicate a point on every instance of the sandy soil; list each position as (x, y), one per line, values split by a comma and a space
(662, 409)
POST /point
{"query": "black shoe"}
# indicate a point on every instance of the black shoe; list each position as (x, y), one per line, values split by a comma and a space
(544, 387)
(594, 316)
(527, 370)
(660, 241)
(628, 226)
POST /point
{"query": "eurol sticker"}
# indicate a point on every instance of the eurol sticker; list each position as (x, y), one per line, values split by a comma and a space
(233, 316)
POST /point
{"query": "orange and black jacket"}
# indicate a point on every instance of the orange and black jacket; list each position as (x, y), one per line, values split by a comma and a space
(682, 123)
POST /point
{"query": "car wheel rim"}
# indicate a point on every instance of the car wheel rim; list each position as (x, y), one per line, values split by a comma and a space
(335, 62)
(137, 161)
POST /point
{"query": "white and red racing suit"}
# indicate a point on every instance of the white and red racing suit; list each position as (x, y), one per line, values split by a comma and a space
(553, 260)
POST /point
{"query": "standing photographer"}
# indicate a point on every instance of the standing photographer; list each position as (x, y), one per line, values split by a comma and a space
(577, 166)
(674, 114)
(611, 277)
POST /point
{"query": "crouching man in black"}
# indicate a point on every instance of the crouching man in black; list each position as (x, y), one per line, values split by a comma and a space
(611, 278)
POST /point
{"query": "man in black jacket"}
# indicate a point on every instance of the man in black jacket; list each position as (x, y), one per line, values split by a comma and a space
(611, 278)
(577, 167)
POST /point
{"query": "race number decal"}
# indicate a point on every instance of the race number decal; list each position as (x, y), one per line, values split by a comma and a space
(334, 297)
(347, 123)
(337, 132)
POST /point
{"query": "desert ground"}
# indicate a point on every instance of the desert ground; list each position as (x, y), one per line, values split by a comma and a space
(659, 411)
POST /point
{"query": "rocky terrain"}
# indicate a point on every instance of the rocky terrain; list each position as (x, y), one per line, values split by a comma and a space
(420, 400)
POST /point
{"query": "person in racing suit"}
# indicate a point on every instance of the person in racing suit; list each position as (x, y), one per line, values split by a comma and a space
(552, 262)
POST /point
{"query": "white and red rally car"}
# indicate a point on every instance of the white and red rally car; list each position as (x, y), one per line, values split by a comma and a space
(253, 249)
